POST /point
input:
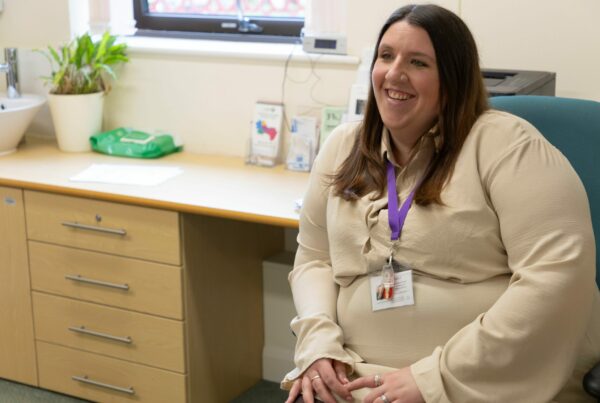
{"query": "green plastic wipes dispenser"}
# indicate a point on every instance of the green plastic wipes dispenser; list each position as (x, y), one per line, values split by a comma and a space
(125, 142)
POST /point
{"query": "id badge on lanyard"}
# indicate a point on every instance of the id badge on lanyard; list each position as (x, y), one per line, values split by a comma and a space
(393, 287)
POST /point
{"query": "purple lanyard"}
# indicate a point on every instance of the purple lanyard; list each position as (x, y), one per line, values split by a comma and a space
(396, 217)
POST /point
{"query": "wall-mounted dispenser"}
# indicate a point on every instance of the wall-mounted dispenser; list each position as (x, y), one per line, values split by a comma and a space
(325, 27)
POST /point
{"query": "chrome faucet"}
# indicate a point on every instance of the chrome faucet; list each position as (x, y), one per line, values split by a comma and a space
(12, 76)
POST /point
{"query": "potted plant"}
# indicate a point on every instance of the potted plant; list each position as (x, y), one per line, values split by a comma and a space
(79, 81)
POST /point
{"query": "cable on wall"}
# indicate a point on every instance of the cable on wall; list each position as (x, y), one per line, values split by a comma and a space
(313, 73)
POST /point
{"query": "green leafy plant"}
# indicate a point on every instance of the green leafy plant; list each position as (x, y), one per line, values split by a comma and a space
(84, 65)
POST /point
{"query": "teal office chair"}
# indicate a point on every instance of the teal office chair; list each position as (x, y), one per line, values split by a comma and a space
(572, 126)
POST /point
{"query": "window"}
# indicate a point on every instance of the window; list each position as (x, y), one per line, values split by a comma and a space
(254, 20)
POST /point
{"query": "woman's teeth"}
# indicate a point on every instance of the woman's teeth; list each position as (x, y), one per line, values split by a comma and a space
(401, 96)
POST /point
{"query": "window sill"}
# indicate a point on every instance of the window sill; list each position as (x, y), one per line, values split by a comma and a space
(233, 50)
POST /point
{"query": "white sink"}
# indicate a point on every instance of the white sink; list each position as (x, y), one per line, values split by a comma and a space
(15, 116)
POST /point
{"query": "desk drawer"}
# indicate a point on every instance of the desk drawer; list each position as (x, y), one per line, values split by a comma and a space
(120, 381)
(112, 280)
(101, 226)
(109, 331)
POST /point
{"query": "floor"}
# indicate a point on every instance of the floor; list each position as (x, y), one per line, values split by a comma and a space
(263, 392)
(11, 392)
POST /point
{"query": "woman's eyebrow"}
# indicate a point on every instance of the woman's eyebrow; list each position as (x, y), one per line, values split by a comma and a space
(384, 47)
(421, 54)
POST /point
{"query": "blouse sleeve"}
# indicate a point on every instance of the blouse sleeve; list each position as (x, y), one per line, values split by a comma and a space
(313, 287)
(524, 348)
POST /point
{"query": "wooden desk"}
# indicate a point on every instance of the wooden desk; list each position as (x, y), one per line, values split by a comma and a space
(202, 292)
(213, 186)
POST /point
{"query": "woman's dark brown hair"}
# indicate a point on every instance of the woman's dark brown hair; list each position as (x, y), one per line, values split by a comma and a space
(463, 99)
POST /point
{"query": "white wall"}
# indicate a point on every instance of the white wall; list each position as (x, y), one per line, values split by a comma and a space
(33, 23)
(551, 35)
(208, 102)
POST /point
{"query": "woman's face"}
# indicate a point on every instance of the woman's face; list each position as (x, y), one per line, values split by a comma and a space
(406, 82)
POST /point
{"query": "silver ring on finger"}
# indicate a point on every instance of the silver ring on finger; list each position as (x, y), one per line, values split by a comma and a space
(314, 378)
(377, 379)
(384, 398)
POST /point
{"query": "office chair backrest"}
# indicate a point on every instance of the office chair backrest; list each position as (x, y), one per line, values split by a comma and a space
(572, 126)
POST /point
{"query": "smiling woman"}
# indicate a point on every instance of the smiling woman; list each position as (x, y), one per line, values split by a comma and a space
(493, 296)
(406, 85)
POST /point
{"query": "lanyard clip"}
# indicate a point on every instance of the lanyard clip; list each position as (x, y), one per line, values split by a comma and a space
(392, 247)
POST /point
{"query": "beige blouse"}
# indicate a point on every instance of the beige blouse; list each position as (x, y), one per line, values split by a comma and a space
(506, 307)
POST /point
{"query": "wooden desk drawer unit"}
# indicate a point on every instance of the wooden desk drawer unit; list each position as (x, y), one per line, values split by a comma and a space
(107, 293)
(111, 280)
(109, 331)
(105, 379)
(119, 229)
(133, 303)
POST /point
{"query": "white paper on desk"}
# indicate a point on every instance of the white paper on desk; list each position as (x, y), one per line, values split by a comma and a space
(142, 175)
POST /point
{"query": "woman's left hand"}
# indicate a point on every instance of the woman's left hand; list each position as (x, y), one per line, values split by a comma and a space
(394, 387)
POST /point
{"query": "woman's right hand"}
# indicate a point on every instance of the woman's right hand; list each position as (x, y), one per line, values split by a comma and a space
(323, 377)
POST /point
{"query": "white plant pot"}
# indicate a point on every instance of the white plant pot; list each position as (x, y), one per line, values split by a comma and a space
(76, 118)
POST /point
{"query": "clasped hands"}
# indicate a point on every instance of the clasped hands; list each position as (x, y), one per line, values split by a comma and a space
(326, 377)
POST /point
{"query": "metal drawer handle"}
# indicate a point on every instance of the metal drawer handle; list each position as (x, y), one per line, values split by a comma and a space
(82, 329)
(75, 224)
(81, 279)
(85, 379)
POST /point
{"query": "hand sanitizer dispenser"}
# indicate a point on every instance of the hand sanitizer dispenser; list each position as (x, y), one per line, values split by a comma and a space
(325, 27)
